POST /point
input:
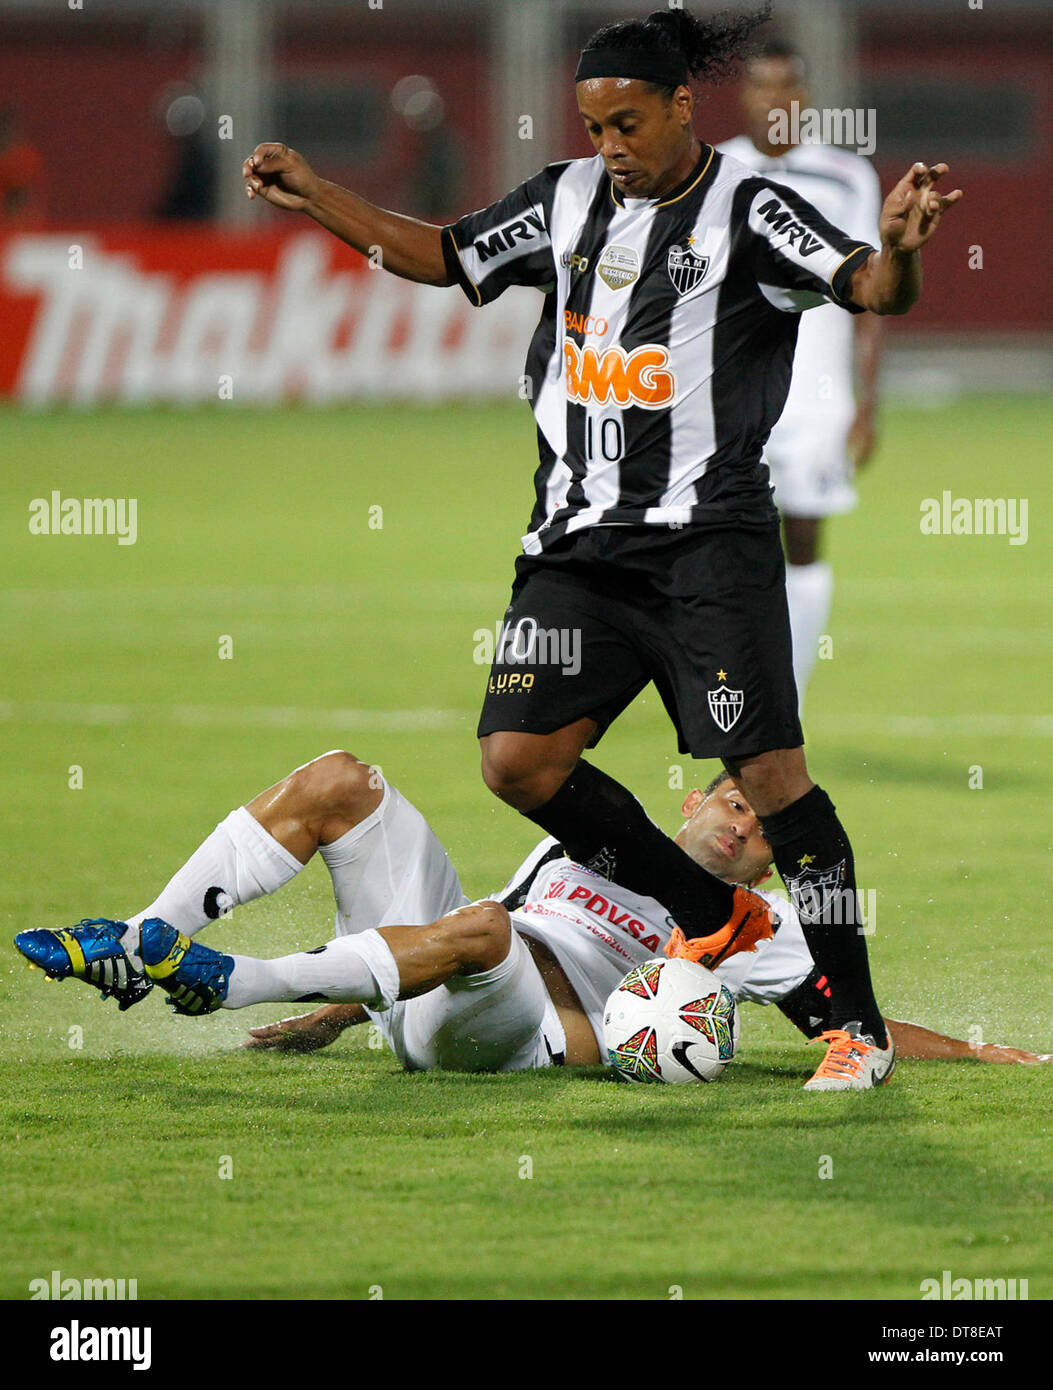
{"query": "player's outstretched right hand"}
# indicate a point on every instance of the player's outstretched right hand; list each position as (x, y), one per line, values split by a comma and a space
(306, 1033)
(280, 176)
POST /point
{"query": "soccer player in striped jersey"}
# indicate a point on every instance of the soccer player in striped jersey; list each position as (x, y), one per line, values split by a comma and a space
(510, 984)
(824, 432)
(673, 281)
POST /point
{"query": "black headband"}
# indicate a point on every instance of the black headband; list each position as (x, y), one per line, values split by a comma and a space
(667, 69)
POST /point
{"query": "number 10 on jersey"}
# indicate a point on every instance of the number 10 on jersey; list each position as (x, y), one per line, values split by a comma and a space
(604, 439)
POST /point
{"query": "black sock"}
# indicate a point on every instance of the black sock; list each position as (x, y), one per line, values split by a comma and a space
(808, 1005)
(814, 856)
(602, 825)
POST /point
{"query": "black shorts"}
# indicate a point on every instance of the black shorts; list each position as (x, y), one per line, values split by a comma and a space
(701, 612)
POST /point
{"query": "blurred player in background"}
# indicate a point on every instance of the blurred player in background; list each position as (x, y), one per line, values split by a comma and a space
(505, 985)
(826, 430)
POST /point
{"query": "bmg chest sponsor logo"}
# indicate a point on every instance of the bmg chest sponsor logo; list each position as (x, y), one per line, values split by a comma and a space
(641, 377)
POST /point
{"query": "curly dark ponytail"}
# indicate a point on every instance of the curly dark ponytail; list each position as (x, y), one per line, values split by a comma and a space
(712, 48)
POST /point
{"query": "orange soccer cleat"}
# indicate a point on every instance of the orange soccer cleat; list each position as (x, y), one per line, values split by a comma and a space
(751, 921)
(853, 1061)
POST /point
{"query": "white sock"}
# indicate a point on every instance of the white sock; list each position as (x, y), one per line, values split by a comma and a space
(238, 862)
(357, 969)
(810, 594)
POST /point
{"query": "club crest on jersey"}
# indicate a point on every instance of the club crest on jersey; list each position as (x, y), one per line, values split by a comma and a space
(686, 268)
(725, 706)
(618, 266)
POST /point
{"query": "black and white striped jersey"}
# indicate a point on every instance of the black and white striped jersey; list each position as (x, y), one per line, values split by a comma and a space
(847, 191)
(664, 351)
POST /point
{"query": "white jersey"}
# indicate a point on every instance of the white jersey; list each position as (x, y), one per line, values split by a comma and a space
(846, 190)
(599, 931)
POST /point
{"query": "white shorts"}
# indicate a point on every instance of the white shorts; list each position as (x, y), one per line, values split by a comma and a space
(498, 1020)
(810, 468)
(397, 871)
(400, 875)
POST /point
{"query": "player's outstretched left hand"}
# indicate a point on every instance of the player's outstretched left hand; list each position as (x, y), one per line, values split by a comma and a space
(998, 1052)
(912, 211)
(279, 175)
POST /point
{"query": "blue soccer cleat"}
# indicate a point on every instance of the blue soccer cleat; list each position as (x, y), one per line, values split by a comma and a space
(195, 977)
(91, 951)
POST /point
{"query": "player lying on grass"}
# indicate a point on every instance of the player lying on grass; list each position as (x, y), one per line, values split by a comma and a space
(495, 985)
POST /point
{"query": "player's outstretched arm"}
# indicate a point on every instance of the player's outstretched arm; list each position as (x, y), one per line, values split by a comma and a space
(890, 280)
(409, 248)
(308, 1032)
(924, 1045)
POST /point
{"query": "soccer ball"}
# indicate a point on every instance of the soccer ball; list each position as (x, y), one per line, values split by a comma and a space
(670, 1020)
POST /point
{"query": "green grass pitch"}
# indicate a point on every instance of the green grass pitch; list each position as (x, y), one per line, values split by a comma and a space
(349, 1176)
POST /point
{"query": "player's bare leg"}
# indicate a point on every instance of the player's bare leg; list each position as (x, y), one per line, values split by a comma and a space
(527, 770)
(601, 824)
(772, 781)
(318, 802)
(814, 857)
(367, 970)
(309, 1032)
(373, 968)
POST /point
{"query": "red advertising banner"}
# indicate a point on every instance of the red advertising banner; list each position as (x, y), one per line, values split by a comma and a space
(193, 315)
